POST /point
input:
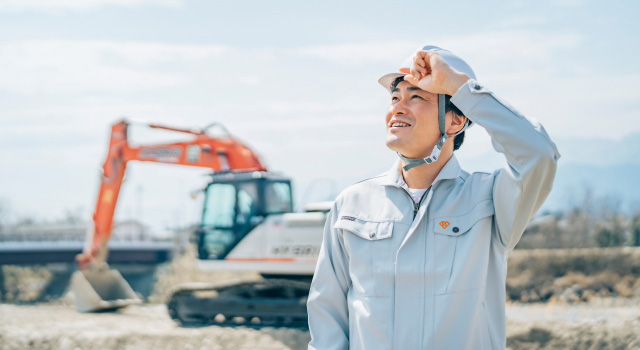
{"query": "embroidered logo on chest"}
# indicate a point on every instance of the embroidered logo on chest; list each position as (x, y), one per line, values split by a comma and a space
(444, 224)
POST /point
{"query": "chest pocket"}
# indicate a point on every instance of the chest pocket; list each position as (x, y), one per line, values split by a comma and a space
(462, 244)
(369, 244)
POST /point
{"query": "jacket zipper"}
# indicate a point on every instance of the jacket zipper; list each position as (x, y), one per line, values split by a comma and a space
(416, 206)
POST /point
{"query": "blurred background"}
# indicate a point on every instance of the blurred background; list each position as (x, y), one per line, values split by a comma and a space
(297, 81)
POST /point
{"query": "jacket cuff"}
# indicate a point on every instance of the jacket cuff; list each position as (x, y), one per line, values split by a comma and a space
(469, 95)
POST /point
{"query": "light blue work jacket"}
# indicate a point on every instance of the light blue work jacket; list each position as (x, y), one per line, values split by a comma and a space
(393, 276)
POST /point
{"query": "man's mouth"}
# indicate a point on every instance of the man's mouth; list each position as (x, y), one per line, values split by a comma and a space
(400, 125)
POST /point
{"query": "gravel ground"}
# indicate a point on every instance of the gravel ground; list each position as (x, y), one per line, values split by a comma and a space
(58, 326)
(49, 326)
(599, 323)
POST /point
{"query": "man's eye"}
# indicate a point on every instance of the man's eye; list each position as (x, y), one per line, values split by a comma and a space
(414, 96)
(394, 98)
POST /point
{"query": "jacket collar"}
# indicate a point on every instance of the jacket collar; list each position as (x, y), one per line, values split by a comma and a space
(450, 170)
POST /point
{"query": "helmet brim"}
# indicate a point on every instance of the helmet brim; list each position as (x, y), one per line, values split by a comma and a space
(387, 79)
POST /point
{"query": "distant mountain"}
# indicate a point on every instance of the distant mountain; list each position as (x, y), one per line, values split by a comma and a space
(600, 151)
(609, 168)
(617, 181)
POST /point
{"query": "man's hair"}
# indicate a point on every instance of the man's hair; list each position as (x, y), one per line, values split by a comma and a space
(448, 107)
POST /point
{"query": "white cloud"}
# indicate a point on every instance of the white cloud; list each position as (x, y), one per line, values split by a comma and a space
(359, 53)
(515, 22)
(497, 46)
(250, 80)
(280, 107)
(539, 72)
(520, 48)
(56, 66)
(82, 5)
(505, 55)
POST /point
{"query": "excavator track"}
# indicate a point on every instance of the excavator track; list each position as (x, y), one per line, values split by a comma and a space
(255, 304)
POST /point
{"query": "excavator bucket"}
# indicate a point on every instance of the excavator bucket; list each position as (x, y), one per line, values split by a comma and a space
(101, 290)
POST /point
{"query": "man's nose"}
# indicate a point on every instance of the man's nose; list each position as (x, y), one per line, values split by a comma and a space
(399, 107)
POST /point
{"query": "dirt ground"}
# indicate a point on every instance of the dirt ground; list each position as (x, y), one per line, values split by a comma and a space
(529, 326)
(560, 323)
(51, 326)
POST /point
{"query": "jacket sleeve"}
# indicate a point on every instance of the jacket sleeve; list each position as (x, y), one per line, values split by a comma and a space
(327, 302)
(524, 183)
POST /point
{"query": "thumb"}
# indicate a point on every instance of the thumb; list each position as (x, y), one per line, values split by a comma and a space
(411, 79)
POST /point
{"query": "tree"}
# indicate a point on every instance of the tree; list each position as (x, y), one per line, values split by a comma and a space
(610, 229)
(635, 230)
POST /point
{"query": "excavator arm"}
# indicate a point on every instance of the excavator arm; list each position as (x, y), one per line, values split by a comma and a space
(217, 153)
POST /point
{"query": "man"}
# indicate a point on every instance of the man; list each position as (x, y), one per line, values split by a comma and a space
(416, 258)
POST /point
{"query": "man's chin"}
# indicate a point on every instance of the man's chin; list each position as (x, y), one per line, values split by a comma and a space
(394, 145)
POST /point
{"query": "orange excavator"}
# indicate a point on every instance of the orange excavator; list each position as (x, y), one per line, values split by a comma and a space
(247, 224)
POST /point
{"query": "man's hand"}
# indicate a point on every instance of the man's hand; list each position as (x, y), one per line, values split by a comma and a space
(432, 73)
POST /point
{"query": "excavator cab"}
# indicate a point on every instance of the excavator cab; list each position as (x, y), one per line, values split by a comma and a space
(237, 202)
(248, 221)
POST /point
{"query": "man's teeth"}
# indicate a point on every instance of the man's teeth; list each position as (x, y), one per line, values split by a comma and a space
(400, 124)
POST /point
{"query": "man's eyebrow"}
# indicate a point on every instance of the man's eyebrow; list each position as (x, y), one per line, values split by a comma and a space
(410, 88)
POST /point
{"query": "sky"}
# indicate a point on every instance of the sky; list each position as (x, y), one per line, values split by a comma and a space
(295, 80)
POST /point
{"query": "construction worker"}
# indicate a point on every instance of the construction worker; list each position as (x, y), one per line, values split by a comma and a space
(416, 258)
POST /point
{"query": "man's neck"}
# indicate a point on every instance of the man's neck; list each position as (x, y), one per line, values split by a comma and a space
(423, 175)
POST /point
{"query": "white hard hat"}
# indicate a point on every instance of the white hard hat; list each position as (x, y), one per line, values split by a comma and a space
(454, 61)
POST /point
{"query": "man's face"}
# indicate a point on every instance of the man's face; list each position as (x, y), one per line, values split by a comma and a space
(412, 121)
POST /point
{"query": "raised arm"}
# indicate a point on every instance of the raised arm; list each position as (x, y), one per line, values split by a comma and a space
(524, 183)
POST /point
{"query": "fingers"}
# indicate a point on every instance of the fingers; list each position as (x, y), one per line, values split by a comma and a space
(417, 68)
(423, 58)
(420, 63)
(419, 72)
(421, 67)
(414, 72)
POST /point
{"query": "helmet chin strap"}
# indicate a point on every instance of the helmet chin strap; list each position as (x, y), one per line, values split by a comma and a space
(435, 153)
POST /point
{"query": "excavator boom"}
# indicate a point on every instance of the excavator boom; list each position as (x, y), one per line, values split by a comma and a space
(96, 287)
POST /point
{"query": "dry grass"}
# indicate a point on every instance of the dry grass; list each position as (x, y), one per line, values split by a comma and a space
(24, 283)
(184, 269)
(540, 275)
(573, 274)
(584, 336)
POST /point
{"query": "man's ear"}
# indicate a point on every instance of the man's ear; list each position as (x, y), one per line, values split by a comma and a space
(455, 123)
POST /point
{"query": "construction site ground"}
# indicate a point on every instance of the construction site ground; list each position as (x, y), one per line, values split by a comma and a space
(57, 325)
(561, 323)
